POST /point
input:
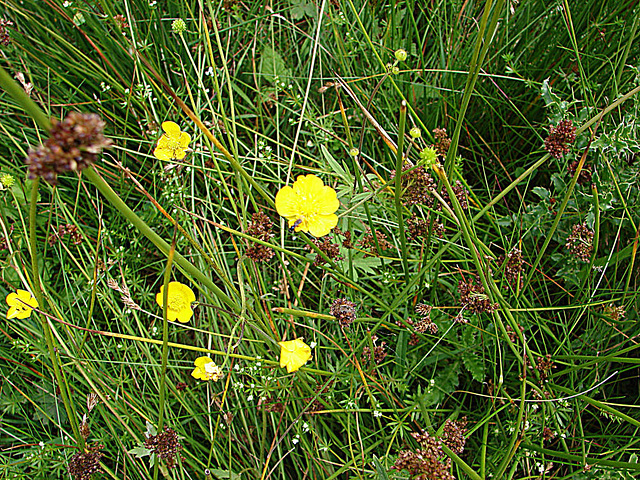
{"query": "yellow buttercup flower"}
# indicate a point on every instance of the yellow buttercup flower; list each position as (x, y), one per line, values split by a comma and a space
(206, 369)
(179, 301)
(173, 144)
(294, 354)
(21, 304)
(309, 205)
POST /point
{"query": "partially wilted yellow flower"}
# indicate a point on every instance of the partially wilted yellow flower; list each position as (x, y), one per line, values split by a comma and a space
(21, 304)
(309, 205)
(294, 354)
(173, 145)
(206, 369)
(178, 301)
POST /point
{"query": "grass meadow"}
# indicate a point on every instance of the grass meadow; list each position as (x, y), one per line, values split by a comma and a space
(311, 239)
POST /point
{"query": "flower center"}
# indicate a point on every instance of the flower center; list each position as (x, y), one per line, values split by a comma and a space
(212, 371)
(173, 143)
(177, 303)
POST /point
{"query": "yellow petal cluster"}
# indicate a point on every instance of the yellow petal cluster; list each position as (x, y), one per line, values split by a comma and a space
(206, 369)
(294, 354)
(179, 301)
(309, 205)
(21, 304)
(173, 144)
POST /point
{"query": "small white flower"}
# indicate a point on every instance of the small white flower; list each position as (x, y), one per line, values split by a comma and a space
(67, 4)
(312, 345)
(209, 72)
(41, 444)
(377, 413)
(250, 398)
(305, 427)
(296, 439)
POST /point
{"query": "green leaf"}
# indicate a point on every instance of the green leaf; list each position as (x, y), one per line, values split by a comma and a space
(380, 470)
(335, 166)
(367, 264)
(224, 474)
(140, 451)
(152, 431)
(272, 66)
(475, 365)
(541, 192)
(302, 8)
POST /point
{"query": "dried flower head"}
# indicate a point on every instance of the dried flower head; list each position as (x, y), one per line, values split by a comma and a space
(614, 312)
(260, 228)
(512, 265)
(369, 242)
(426, 463)
(417, 185)
(545, 366)
(5, 39)
(419, 227)
(344, 310)
(73, 145)
(83, 465)
(474, 298)
(165, 445)
(425, 324)
(326, 246)
(379, 351)
(84, 429)
(121, 21)
(443, 142)
(559, 139)
(453, 434)
(580, 242)
(585, 175)
(460, 192)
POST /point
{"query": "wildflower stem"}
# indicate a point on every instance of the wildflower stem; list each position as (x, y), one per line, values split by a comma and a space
(398, 188)
(22, 99)
(165, 342)
(37, 291)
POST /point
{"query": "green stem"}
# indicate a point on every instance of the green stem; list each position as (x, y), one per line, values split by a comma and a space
(37, 291)
(22, 99)
(398, 188)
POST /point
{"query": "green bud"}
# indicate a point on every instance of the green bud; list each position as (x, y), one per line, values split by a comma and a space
(7, 180)
(415, 132)
(178, 26)
(401, 55)
(395, 70)
(429, 157)
(354, 152)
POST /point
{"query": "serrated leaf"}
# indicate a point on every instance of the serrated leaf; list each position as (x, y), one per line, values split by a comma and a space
(272, 66)
(139, 451)
(302, 8)
(367, 264)
(475, 365)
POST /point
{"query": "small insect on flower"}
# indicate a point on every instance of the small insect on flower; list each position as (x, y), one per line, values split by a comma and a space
(173, 144)
(206, 369)
(294, 354)
(179, 301)
(309, 205)
(21, 304)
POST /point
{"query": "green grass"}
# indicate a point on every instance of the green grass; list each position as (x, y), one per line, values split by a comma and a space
(245, 81)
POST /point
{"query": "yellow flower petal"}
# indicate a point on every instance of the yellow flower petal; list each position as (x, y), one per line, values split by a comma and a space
(183, 316)
(21, 304)
(328, 202)
(172, 129)
(185, 139)
(294, 354)
(287, 203)
(322, 225)
(179, 299)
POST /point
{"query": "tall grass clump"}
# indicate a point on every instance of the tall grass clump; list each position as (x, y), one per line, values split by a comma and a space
(345, 239)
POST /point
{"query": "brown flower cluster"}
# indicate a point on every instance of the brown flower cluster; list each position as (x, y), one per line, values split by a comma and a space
(580, 242)
(453, 434)
(369, 242)
(344, 310)
(443, 142)
(419, 227)
(346, 242)
(71, 230)
(545, 366)
(426, 463)
(460, 192)
(425, 323)
(73, 145)
(614, 312)
(512, 264)
(326, 246)
(260, 228)
(559, 139)
(585, 175)
(83, 465)
(379, 351)
(121, 21)
(5, 39)
(165, 445)
(474, 298)
(417, 185)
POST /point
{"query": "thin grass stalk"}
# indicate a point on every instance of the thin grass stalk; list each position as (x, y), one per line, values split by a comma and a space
(37, 291)
(398, 188)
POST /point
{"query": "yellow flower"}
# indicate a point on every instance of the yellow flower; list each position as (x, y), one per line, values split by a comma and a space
(294, 354)
(173, 144)
(206, 369)
(179, 301)
(21, 304)
(309, 205)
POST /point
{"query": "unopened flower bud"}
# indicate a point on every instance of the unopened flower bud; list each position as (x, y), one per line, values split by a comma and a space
(415, 132)
(354, 152)
(429, 157)
(178, 26)
(7, 180)
(401, 55)
(395, 70)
